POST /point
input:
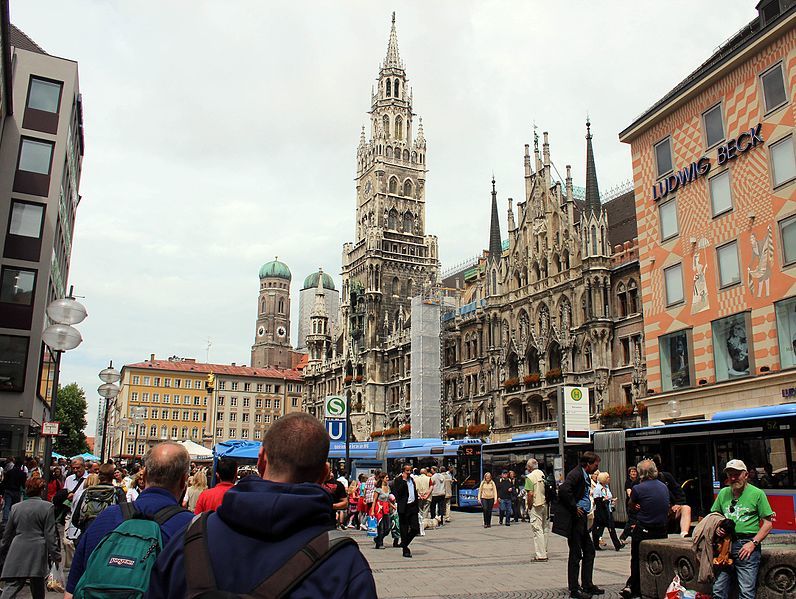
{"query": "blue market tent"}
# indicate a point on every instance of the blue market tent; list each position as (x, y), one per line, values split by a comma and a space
(57, 455)
(89, 457)
(238, 449)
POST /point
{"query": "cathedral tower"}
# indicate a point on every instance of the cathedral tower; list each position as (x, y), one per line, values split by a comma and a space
(272, 332)
(391, 259)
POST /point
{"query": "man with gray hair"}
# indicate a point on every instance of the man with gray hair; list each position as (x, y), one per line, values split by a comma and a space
(537, 508)
(165, 475)
(650, 499)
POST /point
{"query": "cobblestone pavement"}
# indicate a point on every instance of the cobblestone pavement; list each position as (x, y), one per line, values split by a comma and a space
(462, 560)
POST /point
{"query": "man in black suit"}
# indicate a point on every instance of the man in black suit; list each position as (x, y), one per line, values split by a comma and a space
(403, 487)
(571, 521)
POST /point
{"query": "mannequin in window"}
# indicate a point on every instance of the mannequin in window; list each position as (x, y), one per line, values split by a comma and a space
(738, 349)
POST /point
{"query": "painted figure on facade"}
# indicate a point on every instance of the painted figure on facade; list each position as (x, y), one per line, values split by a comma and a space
(700, 301)
(760, 268)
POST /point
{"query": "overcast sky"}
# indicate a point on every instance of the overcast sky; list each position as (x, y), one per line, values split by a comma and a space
(222, 134)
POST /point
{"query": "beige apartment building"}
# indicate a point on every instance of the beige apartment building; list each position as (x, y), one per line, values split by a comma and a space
(180, 399)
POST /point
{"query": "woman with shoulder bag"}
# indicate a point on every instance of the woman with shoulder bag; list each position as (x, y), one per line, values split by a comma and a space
(487, 493)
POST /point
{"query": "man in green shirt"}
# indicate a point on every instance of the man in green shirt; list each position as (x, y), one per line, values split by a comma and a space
(748, 507)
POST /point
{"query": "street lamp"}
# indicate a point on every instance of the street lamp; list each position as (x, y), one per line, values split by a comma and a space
(108, 390)
(60, 336)
(121, 428)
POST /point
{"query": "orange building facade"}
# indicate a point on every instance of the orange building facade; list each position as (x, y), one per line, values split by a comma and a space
(715, 186)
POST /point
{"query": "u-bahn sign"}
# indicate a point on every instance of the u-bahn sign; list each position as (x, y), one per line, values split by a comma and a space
(336, 429)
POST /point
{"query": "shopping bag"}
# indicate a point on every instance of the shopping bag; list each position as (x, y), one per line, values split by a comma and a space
(55, 579)
(372, 526)
(675, 590)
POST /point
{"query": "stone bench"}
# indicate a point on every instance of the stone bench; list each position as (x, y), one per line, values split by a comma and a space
(661, 560)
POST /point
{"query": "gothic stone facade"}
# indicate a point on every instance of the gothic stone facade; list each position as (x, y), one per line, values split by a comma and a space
(390, 261)
(559, 306)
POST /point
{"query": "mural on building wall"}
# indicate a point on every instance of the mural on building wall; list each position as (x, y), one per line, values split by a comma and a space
(700, 299)
(759, 270)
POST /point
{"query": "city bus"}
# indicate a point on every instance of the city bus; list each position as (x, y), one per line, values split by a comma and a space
(696, 453)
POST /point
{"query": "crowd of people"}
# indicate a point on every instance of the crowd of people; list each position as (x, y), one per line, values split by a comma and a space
(255, 525)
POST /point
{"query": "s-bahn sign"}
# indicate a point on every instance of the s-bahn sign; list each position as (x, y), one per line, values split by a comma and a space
(334, 406)
(724, 153)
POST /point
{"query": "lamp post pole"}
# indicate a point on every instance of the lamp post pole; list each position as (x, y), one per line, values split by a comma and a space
(60, 336)
(108, 390)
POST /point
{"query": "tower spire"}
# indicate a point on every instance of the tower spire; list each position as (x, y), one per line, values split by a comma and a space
(592, 189)
(495, 242)
(393, 60)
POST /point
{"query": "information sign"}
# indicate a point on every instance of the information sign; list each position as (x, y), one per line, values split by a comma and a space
(576, 415)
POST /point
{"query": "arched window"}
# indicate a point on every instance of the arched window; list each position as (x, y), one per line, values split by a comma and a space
(406, 152)
(392, 221)
(385, 121)
(397, 88)
(399, 128)
(173, 431)
(565, 260)
(389, 88)
(408, 222)
(153, 431)
(494, 281)
(408, 188)
(632, 297)
(593, 240)
(587, 362)
(389, 151)
(194, 433)
(262, 306)
(622, 296)
(410, 288)
(164, 432)
(396, 290)
(602, 241)
(281, 305)
(393, 188)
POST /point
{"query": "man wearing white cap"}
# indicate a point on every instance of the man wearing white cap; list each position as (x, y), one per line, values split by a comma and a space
(748, 507)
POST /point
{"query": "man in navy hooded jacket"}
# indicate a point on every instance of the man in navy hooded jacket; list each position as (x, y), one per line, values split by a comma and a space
(263, 521)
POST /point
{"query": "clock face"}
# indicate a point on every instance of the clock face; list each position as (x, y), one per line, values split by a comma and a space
(281, 332)
(261, 331)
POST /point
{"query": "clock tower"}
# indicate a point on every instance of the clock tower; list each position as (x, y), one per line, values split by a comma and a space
(272, 332)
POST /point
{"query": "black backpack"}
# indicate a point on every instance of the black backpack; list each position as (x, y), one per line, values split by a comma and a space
(550, 489)
(202, 583)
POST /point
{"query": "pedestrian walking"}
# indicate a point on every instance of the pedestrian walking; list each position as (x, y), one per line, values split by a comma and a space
(747, 506)
(438, 496)
(450, 480)
(571, 521)
(30, 542)
(487, 493)
(516, 492)
(353, 503)
(13, 483)
(630, 482)
(226, 474)
(423, 484)
(650, 498)
(604, 506)
(505, 487)
(537, 508)
(406, 499)
(197, 484)
(382, 510)
(135, 488)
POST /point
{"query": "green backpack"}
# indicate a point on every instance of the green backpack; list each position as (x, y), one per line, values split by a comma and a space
(120, 565)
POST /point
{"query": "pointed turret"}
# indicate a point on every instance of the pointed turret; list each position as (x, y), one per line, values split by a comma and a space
(393, 60)
(319, 309)
(512, 226)
(592, 189)
(495, 242)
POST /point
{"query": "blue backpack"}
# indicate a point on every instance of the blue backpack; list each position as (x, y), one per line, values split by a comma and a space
(122, 562)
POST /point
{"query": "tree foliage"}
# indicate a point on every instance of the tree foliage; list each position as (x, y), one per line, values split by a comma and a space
(70, 411)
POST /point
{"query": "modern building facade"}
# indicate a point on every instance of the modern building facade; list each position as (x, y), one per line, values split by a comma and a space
(558, 304)
(181, 399)
(307, 303)
(41, 154)
(715, 184)
(391, 260)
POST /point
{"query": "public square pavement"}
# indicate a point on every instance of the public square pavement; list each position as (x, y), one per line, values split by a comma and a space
(463, 560)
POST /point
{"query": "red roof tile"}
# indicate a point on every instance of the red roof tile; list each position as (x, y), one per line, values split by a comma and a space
(217, 369)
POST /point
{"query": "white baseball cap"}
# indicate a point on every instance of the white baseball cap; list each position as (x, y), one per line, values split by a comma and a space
(736, 465)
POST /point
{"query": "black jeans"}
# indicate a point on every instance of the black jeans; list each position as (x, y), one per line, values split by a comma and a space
(486, 506)
(409, 524)
(580, 549)
(38, 589)
(438, 507)
(382, 530)
(597, 532)
(640, 533)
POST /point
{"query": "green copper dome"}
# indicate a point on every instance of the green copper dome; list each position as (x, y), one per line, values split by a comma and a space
(275, 268)
(312, 281)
